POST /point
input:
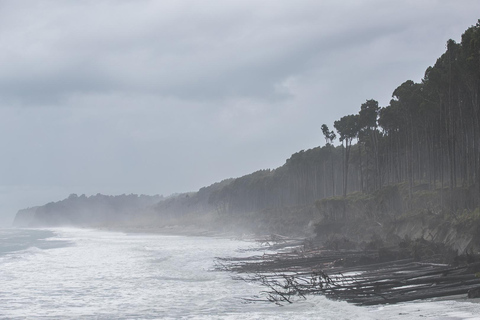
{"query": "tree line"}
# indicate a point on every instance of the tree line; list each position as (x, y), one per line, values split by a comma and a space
(429, 133)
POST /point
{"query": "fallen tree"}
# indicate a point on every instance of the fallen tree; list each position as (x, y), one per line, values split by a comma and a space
(369, 281)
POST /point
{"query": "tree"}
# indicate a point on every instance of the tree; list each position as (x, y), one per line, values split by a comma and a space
(329, 137)
(347, 128)
(368, 132)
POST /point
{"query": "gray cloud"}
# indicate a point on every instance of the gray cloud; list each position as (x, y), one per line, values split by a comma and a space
(188, 51)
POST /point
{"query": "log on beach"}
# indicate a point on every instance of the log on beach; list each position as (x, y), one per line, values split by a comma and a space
(289, 275)
(413, 285)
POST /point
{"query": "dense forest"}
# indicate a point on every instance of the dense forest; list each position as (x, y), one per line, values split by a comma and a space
(428, 133)
(426, 139)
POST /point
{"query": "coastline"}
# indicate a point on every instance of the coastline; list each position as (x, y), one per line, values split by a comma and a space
(181, 230)
(280, 254)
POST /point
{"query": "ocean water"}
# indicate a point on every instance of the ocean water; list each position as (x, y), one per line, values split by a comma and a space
(90, 274)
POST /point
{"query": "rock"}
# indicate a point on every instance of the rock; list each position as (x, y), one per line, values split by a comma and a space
(474, 293)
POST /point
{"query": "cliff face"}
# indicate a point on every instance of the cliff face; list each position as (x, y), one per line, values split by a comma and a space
(25, 217)
(438, 229)
(393, 213)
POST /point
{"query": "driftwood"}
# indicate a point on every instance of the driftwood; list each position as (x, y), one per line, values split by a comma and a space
(291, 275)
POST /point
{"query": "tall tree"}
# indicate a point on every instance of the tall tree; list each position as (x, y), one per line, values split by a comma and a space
(329, 137)
(368, 132)
(347, 128)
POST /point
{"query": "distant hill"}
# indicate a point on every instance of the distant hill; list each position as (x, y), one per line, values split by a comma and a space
(94, 211)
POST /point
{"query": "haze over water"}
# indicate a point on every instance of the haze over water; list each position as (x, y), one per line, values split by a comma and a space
(88, 274)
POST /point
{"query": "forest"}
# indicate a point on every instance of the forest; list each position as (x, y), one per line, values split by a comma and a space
(428, 133)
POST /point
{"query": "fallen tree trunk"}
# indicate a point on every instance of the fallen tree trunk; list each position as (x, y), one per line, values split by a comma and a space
(287, 276)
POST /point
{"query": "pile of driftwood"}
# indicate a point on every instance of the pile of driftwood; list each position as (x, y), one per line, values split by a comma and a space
(299, 273)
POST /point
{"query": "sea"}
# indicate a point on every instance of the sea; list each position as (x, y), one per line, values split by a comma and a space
(92, 274)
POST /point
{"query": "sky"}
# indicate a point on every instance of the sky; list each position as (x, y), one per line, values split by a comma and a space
(159, 97)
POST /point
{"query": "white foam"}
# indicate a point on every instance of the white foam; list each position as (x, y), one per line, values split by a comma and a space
(109, 275)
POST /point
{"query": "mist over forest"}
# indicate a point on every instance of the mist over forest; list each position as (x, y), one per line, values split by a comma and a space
(410, 168)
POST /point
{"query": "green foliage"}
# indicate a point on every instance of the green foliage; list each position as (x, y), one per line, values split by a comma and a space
(468, 222)
(347, 127)
(329, 135)
(369, 114)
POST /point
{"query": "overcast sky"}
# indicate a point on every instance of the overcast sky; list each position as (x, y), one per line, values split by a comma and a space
(157, 97)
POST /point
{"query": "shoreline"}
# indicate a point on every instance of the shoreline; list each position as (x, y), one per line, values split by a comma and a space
(284, 253)
(457, 298)
(291, 275)
(180, 230)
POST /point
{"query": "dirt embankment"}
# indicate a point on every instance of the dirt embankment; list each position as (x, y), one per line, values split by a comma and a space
(451, 217)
